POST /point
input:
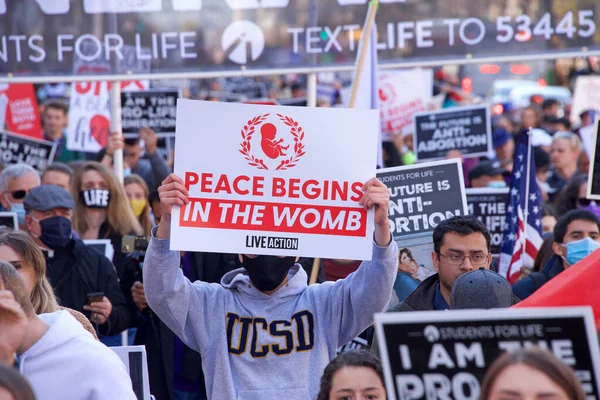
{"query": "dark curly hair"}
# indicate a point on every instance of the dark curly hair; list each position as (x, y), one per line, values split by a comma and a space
(352, 358)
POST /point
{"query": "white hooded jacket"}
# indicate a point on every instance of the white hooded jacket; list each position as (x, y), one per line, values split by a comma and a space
(68, 363)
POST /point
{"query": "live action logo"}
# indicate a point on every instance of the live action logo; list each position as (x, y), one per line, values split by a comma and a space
(269, 242)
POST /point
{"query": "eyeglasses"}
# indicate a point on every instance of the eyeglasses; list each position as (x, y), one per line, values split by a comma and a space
(477, 260)
(584, 202)
(19, 194)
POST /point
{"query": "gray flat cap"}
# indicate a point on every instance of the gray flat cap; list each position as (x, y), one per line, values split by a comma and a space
(48, 197)
(480, 289)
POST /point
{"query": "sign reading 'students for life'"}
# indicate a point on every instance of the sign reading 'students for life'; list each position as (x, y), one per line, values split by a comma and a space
(274, 180)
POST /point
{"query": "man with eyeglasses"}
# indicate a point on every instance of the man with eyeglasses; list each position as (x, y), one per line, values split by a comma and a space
(576, 236)
(15, 183)
(461, 244)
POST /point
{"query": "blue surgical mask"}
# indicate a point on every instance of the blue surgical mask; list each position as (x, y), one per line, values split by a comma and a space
(18, 208)
(496, 184)
(580, 249)
(126, 172)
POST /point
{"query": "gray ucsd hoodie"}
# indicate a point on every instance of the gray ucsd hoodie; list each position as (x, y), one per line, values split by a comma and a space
(268, 347)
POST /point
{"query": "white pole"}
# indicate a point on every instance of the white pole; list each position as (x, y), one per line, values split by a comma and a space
(115, 126)
(311, 90)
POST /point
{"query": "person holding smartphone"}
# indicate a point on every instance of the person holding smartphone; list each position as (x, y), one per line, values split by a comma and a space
(83, 278)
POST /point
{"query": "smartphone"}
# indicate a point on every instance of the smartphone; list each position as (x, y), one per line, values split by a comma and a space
(95, 297)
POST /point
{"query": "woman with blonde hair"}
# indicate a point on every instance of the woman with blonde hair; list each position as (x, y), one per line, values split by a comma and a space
(18, 249)
(138, 192)
(102, 210)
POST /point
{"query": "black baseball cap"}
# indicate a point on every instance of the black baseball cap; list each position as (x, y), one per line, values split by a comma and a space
(486, 168)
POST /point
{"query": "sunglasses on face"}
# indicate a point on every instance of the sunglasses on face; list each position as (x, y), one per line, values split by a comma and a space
(18, 194)
(584, 202)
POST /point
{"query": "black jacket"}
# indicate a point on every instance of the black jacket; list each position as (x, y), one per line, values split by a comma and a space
(76, 270)
(159, 339)
(528, 285)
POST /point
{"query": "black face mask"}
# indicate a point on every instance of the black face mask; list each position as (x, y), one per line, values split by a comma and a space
(267, 272)
(95, 198)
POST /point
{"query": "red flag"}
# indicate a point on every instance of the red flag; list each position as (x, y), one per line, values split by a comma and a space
(576, 286)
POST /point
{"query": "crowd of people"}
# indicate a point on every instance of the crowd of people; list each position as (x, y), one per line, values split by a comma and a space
(206, 319)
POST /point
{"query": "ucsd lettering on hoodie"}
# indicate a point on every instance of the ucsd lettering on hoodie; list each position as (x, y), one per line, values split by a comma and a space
(67, 363)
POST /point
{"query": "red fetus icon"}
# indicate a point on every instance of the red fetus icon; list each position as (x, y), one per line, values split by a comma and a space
(272, 147)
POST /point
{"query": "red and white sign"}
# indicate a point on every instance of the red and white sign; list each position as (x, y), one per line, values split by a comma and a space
(274, 180)
(20, 106)
(89, 114)
(402, 94)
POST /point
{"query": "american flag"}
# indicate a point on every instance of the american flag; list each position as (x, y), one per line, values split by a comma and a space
(521, 239)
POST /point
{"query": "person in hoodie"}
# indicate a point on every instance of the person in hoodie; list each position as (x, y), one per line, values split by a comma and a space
(576, 236)
(59, 358)
(263, 333)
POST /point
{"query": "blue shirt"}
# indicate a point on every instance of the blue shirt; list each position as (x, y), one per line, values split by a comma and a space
(439, 303)
(404, 285)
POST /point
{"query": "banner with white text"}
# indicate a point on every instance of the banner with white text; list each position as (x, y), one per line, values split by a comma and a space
(423, 195)
(19, 149)
(489, 206)
(444, 355)
(179, 38)
(466, 129)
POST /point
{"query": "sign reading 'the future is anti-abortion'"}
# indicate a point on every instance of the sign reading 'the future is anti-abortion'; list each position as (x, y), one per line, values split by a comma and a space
(423, 195)
(268, 180)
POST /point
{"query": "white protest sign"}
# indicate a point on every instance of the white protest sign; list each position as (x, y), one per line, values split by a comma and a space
(402, 94)
(89, 114)
(89, 104)
(269, 179)
(586, 96)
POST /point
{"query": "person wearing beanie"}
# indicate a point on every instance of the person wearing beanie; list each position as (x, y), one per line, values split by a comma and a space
(481, 289)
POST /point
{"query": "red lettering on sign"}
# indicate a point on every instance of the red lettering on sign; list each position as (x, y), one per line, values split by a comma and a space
(191, 178)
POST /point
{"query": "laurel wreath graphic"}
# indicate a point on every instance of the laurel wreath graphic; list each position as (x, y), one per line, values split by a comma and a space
(250, 128)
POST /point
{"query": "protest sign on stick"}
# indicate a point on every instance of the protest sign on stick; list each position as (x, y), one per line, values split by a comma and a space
(466, 129)
(446, 354)
(423, 195)
(489, 206)
(19, 149)
(154, 109)
(262, 179)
